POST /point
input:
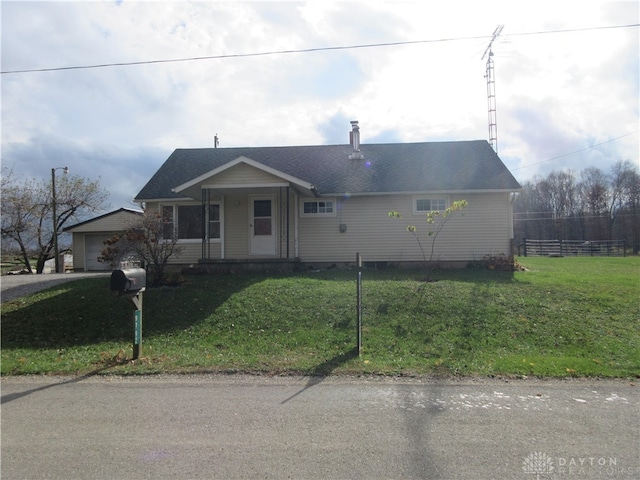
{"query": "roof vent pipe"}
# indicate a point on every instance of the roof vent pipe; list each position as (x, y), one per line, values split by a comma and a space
(354, 139)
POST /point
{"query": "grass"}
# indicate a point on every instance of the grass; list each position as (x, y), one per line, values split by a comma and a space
(563, 317)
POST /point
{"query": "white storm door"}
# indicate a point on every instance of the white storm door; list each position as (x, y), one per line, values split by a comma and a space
(262, 226)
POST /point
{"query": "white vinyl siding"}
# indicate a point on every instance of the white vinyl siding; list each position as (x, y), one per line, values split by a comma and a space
(236, 231)
(483, 227)
(190, 253)
(118, 222)
(243, 174)
(78, 251)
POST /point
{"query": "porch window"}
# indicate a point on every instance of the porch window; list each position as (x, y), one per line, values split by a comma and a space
(428, 204)
(187, 221)
(318, 207)
(190, 221)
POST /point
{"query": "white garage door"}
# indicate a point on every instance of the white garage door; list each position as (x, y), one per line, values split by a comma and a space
(93, 245)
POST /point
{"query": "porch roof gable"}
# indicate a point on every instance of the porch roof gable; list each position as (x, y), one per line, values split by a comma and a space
(193, 187)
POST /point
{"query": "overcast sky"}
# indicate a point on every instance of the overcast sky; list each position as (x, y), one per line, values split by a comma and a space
(565, 100)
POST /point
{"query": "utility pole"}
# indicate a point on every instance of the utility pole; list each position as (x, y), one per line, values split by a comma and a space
(55, 216)
(491, 90)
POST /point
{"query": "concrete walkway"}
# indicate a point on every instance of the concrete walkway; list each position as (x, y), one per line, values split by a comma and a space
(16, 286)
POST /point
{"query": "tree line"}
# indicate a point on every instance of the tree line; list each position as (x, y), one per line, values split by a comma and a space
(590, 205)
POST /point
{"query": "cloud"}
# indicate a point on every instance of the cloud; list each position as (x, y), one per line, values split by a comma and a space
(556, 93)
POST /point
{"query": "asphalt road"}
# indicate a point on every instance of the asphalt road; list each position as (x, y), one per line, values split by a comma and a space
(240, 427)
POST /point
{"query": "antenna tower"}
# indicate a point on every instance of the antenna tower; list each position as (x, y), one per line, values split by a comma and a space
(491, 90)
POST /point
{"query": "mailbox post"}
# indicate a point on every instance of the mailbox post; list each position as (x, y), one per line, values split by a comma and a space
(130, 283)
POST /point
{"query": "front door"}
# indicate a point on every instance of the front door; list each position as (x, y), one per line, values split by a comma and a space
(262, 226)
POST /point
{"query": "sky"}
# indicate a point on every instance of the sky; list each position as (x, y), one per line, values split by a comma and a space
(566, 81)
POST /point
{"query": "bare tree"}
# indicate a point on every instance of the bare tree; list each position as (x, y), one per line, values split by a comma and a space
(632, 209)
(622, 179)
(593, 190)
(148, 240)
(27, 223)
(559, 190)
(531, 212)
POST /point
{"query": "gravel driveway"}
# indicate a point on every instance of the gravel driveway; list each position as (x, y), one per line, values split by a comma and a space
(15, 286)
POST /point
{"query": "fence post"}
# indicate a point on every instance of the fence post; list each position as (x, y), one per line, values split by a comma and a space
(359, 304)
(524, 241)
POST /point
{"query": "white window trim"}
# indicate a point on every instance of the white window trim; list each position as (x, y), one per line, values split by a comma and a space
(187, 241)
(428, 197)
(316, 200)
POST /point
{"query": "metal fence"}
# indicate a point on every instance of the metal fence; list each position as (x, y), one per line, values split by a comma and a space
(564, 248)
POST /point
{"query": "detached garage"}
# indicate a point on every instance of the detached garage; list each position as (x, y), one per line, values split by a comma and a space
(89, 236)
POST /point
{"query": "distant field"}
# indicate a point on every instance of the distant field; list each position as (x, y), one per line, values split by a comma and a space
(562, 317)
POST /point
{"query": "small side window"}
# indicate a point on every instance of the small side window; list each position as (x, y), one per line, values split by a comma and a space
(428, 204)
(318, 208)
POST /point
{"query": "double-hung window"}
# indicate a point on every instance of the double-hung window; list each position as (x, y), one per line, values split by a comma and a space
(428, 204)
(213, 219)
(168, 224)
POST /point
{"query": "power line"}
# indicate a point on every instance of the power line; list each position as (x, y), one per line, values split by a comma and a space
(304, 50)
(577, 151)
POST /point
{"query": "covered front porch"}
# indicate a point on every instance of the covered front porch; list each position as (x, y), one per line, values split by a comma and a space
(249, 216)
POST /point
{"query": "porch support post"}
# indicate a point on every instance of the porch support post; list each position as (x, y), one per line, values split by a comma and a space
(222, 234)
(296, 206)
(203, 215)
(288, 200)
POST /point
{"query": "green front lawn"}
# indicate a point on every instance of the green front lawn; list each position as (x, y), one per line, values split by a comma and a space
(562, 317)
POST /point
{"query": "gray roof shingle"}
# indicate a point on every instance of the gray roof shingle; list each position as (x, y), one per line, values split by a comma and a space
(386, 168)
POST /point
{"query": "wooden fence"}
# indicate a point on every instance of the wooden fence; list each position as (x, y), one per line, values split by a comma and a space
(564, 248)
